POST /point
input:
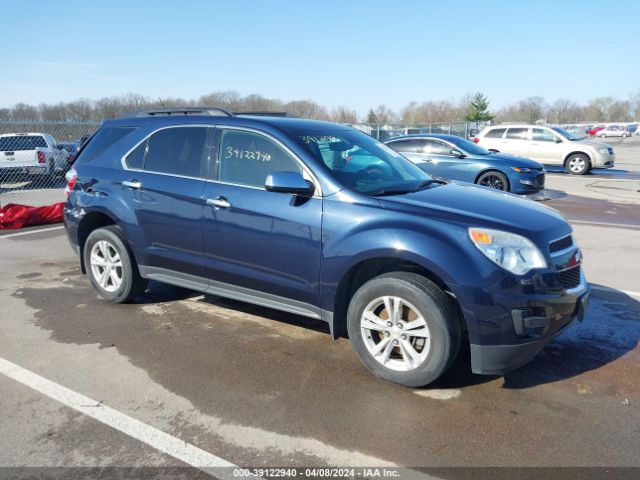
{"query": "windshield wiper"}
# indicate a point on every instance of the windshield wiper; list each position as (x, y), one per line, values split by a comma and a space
(402, 191)
(428, 183)
(390, 191)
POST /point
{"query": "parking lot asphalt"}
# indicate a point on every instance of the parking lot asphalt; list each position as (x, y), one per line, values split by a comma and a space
(182, 379)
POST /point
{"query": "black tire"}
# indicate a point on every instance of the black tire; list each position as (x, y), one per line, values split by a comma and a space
(132, 284)
(494, 179)
(433, 305)
(577, 164)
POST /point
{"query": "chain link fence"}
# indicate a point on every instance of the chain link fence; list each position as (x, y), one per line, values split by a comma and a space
(34, 157)
(383, 132)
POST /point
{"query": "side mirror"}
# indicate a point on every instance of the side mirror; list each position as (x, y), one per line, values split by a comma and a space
(289, 182)
(457, 153)
(558, 140)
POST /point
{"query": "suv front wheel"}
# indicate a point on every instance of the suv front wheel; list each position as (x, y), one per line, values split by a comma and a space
(404, 328)
(578, 164)
(111, 267)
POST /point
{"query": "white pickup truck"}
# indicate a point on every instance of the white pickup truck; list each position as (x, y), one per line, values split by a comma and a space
(32, 153)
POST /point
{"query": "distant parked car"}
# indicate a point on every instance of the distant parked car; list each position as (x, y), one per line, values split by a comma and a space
(593, 131)
(31, 153)
(579, 131)
(72, 150)
(549, 146)
(455, 158)
(613, 131)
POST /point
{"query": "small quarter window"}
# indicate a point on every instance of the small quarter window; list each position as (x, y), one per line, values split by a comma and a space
(136, 158)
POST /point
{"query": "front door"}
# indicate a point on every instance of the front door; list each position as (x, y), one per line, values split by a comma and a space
(264, 242)
(546, 147)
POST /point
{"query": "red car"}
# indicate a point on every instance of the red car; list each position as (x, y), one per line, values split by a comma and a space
(593, 131)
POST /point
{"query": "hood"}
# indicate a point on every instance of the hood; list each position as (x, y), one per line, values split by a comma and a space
(472, 205)
(591, 143)
(512, 160)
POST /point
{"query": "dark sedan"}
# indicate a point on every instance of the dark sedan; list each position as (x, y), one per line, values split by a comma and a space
(459, 159)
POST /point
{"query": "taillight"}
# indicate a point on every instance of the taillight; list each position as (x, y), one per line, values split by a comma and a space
(42, 158)
(476, 140)
(71, 176)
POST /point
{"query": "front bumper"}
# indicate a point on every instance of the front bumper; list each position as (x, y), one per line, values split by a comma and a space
(528, 183)
(605, 160)
(541, 322)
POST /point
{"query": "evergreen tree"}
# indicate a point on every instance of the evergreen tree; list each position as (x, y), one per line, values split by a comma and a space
(478, 109)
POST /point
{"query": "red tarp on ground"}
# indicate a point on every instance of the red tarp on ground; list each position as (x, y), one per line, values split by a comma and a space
(18, 216)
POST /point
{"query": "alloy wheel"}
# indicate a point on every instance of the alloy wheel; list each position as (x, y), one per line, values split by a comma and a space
(395, 333)
(106, 266)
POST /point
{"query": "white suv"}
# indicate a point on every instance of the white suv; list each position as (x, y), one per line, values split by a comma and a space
(549, 146)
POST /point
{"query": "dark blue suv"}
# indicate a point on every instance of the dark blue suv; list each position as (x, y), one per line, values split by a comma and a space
(322, 220)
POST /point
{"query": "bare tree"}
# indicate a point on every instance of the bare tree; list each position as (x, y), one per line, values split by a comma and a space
(22, 112)
(529, 110)
(564, 110)
(342, 114)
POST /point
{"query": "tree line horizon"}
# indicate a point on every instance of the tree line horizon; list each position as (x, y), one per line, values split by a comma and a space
(472, 107)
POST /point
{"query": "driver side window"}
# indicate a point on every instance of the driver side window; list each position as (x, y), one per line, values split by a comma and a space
(246, 158)
(434, 147)
(542, 135)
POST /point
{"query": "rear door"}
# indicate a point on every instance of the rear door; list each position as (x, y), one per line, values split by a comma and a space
(262, 241)
(516, 141)
(165, 184)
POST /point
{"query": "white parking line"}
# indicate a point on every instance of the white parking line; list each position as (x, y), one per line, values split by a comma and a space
(31, 232)
(153, 437)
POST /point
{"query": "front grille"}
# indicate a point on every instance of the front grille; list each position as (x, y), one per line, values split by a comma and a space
(610, 151)
(570, 278)
(560, 244)
(540, 180)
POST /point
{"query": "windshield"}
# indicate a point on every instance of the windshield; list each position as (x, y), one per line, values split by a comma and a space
(363, 164)
(469, 147)
(565, 134)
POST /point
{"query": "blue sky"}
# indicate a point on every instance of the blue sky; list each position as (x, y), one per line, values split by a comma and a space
(356, 53)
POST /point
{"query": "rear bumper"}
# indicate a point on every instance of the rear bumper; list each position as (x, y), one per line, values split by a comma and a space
(28, 170)
(500, 359)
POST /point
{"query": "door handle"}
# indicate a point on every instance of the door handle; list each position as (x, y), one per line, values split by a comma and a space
(131, 184)
(219, 202)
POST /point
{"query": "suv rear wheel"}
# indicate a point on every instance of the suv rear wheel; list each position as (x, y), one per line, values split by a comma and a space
(111, 267)
(578, 164)
(404, 328)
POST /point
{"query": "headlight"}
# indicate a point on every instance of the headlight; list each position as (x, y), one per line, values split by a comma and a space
(603, 150)
(508, 250)
(521, 170)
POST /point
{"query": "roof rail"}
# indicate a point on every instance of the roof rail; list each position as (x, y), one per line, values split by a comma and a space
(156, 112)
(265, 114)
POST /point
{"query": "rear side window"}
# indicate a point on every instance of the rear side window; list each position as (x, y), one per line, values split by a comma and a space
(247, 158)
(517, 133)
(103, 139)
(177, 151)
(22, 142)
(405, 146)
(495, 133)
(435, 148)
